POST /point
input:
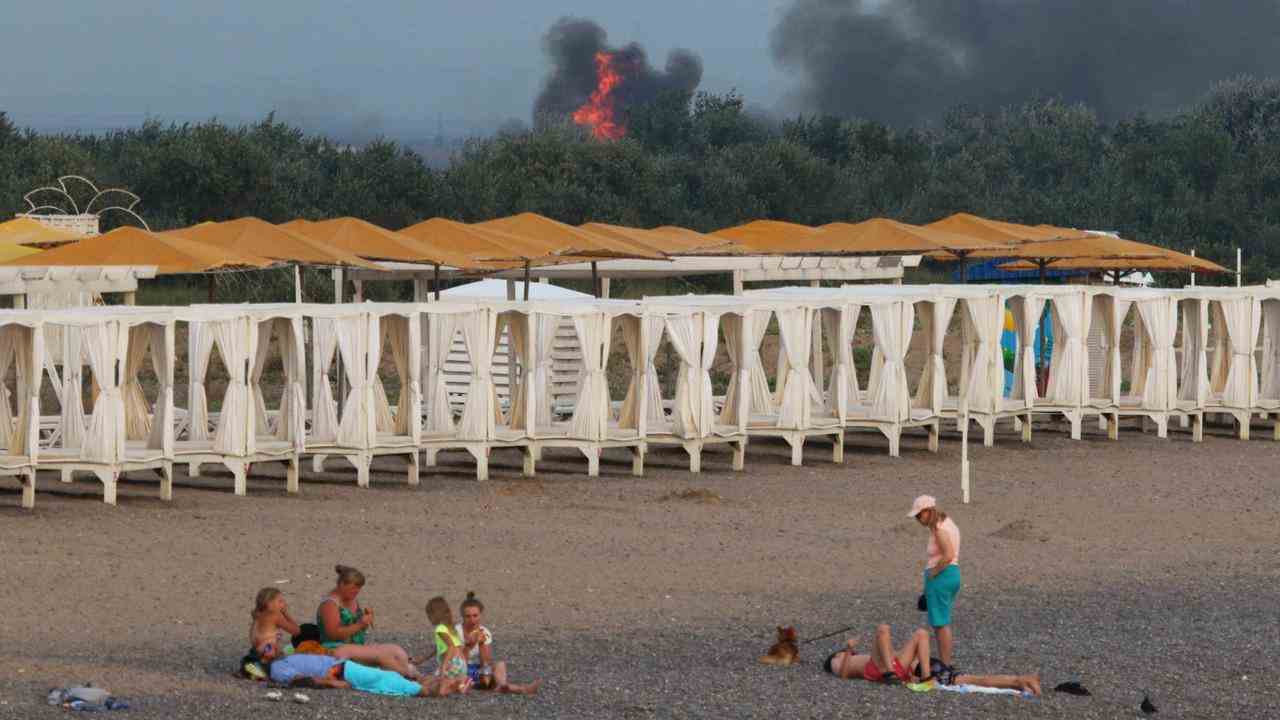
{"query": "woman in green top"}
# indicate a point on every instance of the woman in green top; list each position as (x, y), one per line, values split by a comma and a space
(344, 627)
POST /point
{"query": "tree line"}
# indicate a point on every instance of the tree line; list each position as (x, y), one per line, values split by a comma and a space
(1206, 178)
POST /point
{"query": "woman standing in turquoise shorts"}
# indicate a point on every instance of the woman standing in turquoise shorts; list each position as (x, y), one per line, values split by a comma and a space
(942, 571)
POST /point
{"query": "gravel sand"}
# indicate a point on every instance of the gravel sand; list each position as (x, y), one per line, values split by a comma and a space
(1138, 566)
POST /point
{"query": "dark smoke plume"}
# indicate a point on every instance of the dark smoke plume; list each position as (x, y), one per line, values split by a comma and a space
(907, 61)
(572, 44)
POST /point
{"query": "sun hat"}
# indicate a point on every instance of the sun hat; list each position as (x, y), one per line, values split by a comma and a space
(922, 503)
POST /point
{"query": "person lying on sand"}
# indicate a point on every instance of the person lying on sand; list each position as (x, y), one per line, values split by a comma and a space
(477, 647)
(911, 662)
(329, 672)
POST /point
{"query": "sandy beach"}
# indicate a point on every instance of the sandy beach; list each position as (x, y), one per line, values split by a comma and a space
(1138, 566)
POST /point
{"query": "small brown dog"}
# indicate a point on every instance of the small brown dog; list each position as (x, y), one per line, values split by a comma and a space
(785, 651)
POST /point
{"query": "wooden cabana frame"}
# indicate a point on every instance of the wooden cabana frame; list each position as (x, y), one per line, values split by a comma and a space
(691, 327)
(241, 432)
(124, 431)
(362, 424)
(21, 347)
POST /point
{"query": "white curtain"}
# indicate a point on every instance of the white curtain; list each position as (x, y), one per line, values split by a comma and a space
(795, 328)
(72, 395)
(137, 415)
(1026, 316)
(383, 420)
(355, 424)
(1193, 380)
(982, 366)
(324, 406)
(544, 342)
(1159, 391)
(737, 328)
(478, 329)
(1271, 351)
(1068, 369)
(1243, 321)
(10, 339)
(591, 416)
(842, 392)
(931, 391)
(199, 351)
(162, 351)
(761, 398)
(684, 331)
(22, 347)
(1112, 312)
(642, 337)
(104, 439)
(291, 425)
(232, 337)
(891, 324)
(257, 403)
(29, 359)
(409, 405)
(520, 415)
(441, 328)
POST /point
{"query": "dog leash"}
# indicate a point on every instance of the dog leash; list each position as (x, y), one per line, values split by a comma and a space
(823, 637)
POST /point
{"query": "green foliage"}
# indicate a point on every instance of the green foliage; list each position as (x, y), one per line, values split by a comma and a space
(1207, 178)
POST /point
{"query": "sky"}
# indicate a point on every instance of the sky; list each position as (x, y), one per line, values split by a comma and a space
(353, 69)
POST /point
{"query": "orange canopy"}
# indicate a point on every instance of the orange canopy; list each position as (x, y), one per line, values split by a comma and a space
(1093, 246)
(882, 236)
(25, 231)
(170, 254)
(997, 231)
(475, 241)
(367, 240)
(250, 235)
(562, 240)
(1172, 262)
(686, 241)
(768, 236)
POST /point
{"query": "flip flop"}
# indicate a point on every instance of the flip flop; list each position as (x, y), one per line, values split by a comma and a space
(1073, 688)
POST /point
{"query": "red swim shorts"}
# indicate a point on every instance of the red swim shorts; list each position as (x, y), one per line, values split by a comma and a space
(872, 672)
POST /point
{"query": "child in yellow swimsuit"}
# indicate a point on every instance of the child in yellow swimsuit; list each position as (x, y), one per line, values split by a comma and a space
(451, 662)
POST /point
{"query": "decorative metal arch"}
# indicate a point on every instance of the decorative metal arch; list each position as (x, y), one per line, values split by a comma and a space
(62, 189)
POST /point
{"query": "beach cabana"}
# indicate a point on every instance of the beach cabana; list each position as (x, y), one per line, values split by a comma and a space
(21, 348)
(476, 427)
(244, 430)
(1269, 365)
(124, 430)
(592, 424)
(691, 326)
(365, 425)
(887, 404)
(1150, 388)
(1235, 326)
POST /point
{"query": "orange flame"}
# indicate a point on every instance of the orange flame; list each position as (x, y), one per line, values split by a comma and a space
(598, 112)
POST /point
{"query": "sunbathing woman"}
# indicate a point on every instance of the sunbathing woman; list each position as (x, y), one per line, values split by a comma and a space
(477, 647)
(910, 663)
(344, 626)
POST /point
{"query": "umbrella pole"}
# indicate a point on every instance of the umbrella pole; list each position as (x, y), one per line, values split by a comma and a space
(435, 282)
(595, 279)
(213, 286)
(964, 268)
(526, 281)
